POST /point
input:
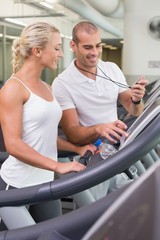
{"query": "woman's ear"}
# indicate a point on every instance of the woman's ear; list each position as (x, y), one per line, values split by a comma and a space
(36, 51)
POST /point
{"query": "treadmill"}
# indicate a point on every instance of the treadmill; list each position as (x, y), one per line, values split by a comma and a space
(141, 203)
(152, 92)
(80, 224)
(147, 137)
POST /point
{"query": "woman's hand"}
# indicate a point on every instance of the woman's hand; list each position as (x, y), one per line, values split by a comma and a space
(74, 166)
(83, 149)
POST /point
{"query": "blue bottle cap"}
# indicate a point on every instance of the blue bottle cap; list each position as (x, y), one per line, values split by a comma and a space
(98, 142)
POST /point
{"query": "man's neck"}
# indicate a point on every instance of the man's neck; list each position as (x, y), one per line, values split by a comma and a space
(89, 72)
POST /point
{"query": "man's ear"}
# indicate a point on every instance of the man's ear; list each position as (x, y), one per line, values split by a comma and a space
(72, 45)
(36, 51)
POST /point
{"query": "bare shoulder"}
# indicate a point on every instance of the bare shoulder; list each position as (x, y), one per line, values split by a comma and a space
(48, 85)
(12, 90)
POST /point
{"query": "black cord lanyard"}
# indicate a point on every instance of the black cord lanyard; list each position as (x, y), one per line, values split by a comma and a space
(105, 77)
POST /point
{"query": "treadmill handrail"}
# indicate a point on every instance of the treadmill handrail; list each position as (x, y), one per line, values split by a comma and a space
(61, 223)
(141, 122)
(153, 96)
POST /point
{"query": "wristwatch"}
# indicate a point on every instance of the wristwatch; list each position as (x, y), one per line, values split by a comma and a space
(138, 102)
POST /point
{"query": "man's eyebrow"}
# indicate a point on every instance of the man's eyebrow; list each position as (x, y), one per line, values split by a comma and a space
(90, 45)
(100, 43)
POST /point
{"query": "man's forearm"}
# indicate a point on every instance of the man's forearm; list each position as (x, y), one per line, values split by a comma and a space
(81, 135)
(136, 108)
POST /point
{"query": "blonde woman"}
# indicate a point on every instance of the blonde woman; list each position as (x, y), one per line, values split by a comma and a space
(30, 114)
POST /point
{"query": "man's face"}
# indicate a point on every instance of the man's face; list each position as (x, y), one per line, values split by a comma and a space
(88, 50)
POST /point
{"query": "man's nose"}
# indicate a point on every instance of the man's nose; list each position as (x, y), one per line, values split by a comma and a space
(94, 51)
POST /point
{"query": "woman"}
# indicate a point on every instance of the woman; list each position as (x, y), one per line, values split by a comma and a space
(30, 114)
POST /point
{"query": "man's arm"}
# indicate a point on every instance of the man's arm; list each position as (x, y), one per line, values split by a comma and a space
(78, 134)
(74, 132)
(132, 98)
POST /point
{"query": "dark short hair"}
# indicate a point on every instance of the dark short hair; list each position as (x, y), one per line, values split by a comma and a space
(83, 26)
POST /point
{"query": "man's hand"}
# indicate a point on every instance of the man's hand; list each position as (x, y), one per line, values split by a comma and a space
(138, 89)
(112, 130)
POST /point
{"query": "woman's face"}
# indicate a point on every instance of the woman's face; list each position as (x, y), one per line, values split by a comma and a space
(51, 54)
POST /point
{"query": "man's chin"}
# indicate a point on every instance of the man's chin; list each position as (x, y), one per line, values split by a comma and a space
(93, 63)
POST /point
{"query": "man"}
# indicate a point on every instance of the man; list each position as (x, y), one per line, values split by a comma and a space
(88, 91)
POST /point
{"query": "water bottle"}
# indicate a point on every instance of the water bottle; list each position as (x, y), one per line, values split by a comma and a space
(105, 149)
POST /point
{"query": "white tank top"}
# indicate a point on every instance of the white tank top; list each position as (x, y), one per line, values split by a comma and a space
(40, 131)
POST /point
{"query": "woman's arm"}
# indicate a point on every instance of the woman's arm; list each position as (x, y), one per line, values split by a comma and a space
(12, 97)
(68, 146)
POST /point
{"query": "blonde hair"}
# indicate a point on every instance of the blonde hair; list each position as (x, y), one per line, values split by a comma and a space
(34, 35)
